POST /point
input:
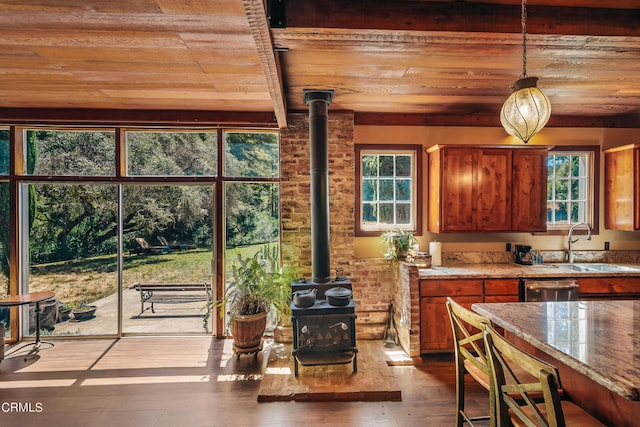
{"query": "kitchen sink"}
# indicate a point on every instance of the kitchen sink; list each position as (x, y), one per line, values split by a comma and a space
(597, 267)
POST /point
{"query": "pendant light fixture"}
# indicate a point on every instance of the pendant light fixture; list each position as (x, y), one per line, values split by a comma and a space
(527, 109)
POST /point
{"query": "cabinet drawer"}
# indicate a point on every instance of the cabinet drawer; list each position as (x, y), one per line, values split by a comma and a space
(609, 285)
(450, 288)
(501, 287)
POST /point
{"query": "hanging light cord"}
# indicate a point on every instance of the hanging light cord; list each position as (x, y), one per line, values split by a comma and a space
(524, 39)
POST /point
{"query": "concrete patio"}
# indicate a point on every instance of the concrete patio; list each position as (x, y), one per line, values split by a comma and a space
(183, 318)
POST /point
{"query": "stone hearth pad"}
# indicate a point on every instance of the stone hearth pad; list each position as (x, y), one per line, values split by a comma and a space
(374, 380)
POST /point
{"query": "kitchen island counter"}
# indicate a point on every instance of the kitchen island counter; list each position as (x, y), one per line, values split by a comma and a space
(594, 344)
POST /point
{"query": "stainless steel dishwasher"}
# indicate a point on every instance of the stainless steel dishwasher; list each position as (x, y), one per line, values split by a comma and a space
(549, 290)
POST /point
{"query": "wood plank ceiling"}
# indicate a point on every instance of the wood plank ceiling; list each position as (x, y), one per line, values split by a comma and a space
(391, 62)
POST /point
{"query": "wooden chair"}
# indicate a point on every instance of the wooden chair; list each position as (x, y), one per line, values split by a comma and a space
(515, 397)
(468, 333)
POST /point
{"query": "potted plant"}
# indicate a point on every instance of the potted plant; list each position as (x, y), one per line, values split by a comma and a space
(259, 285)
(83, 311)
(397, 243)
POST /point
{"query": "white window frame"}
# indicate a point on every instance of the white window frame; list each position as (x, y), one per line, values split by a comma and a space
(587, 195)
(374, 228)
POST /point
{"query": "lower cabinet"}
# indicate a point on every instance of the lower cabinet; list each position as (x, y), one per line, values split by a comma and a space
(435, 327)
(599, 288)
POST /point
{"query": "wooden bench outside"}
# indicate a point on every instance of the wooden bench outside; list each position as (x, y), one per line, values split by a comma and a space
(172, 293)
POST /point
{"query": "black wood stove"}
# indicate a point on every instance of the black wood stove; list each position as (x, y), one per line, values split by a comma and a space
(324, 334)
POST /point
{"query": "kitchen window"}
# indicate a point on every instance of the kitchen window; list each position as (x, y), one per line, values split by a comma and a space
(388, 183)
(572, 187)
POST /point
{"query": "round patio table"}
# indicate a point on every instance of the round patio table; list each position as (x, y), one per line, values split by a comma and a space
(30, 298)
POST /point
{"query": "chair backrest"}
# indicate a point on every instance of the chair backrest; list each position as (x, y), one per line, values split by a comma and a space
(468, 333)
(512, 371)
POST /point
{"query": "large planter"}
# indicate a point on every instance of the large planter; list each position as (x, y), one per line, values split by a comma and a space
(48, 315)
(247, 331)
(84, 313)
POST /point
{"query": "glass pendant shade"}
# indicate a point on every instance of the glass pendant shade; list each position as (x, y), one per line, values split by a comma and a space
(526, 111)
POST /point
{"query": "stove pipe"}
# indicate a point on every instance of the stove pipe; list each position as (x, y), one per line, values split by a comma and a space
(318, 102)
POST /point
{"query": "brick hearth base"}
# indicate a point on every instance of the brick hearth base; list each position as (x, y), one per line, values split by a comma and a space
(374, 380)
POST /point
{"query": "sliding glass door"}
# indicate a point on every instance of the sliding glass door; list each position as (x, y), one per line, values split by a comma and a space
(168, 241)
(73, 253)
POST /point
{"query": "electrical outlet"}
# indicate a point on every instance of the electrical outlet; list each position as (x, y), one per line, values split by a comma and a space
(606, 246)
(508, 247)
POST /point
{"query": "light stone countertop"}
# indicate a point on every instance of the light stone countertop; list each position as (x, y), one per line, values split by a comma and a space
(595, 338)
(512, 270)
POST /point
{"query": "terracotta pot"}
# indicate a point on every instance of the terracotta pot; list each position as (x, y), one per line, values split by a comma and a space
(247, 330)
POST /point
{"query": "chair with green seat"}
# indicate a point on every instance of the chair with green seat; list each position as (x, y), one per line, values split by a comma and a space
(516, 394)
(468, 333)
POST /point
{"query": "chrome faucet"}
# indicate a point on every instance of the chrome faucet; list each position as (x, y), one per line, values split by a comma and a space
(572, 241)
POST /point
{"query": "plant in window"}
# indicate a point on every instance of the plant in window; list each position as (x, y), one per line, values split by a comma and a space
(397, 243)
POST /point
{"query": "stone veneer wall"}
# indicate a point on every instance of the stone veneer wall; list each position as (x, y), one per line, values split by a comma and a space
(407, 309)
(372, 280)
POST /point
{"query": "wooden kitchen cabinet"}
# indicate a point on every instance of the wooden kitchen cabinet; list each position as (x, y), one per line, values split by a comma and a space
(622, 188)
(435, 327)
(452, 189)
(596, 288)
(487, 189)
(501, 290)
(529, 195)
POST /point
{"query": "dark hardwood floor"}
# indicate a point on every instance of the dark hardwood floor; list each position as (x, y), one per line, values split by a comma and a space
(197, 381)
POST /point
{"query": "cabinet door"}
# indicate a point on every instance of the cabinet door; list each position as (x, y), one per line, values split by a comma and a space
(434, 208)
(459, 194)
(494, 190)
(529, 206)
(435, 326)
(622, 189)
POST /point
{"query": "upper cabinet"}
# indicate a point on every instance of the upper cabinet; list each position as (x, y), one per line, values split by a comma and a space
(487, 189)
(622, 188)
(529, 191)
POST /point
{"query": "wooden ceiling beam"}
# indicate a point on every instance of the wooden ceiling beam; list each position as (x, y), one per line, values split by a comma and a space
(405, 15)
(259, 24)
(105, 117)
(491, 119)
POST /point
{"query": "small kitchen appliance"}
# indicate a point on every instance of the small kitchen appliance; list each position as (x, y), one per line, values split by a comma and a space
(523, 255)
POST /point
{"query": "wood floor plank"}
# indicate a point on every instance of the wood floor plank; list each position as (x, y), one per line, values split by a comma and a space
(197, 381)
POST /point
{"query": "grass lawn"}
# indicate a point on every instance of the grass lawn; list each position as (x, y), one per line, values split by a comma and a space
(93, 278)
